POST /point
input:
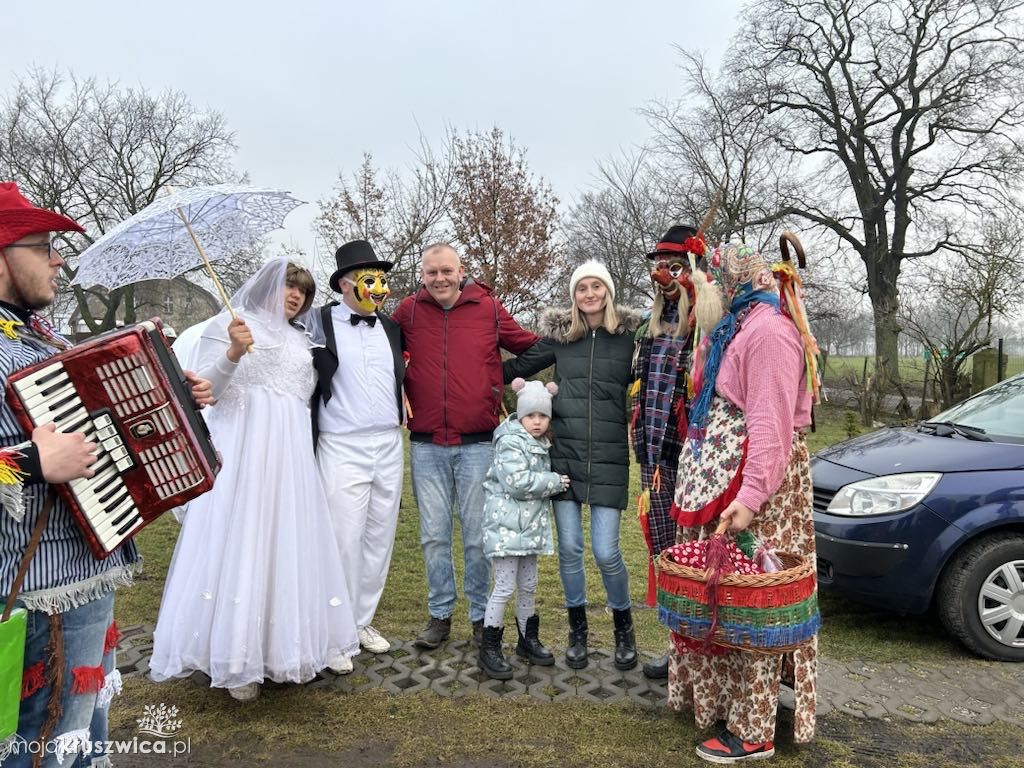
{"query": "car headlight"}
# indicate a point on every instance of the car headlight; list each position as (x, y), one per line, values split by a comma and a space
(883, 495)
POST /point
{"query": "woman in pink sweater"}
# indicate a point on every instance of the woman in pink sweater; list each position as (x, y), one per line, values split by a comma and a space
(746, 461)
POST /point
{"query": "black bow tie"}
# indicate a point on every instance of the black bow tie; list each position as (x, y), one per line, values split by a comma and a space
(370, 320)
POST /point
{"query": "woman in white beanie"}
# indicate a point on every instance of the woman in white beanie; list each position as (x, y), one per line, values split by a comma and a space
(591, 346)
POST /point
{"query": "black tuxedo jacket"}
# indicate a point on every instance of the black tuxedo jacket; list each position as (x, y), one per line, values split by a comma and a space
(325, 362)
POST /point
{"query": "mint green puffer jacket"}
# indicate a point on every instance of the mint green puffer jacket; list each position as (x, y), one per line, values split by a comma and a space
(518, 486)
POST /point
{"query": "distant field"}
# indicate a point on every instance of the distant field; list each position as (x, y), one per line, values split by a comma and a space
(911, 369)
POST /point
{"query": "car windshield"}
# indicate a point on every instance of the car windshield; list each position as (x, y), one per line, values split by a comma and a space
(998, 410)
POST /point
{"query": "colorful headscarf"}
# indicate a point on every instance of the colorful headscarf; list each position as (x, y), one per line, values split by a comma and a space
(734, 268)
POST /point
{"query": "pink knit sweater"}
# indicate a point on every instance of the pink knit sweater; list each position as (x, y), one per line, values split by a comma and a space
(763, 373)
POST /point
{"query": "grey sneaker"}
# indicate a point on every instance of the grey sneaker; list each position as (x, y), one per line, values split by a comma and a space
(436, 632)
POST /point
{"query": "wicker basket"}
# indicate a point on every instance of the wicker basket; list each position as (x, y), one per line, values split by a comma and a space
(762, 613)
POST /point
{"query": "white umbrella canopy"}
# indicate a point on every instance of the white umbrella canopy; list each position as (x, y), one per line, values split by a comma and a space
(182, 230)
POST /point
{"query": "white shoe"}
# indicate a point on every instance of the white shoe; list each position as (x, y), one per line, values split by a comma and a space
(338, 664)
(372, 640)
(247, 692)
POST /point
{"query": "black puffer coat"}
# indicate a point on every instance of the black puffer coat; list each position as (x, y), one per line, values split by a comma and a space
(589, 413)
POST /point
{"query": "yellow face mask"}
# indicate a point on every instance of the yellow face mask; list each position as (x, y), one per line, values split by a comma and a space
(369, 288)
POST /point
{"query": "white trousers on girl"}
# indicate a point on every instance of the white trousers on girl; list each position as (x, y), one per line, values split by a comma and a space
(512, 574)
(362, 476)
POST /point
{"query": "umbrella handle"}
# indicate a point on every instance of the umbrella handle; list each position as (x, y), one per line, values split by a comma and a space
(206, 262)
(722, 528)
(209, 266)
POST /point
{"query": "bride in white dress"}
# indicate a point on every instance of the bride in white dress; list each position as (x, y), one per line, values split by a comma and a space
(256, 588)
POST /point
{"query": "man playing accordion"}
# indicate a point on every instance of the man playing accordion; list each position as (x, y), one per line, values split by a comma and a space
(69, 673)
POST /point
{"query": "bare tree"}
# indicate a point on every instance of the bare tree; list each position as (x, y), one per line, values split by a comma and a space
(504, 218)
(619, 222)
(709, 143)
(397, 214)
(956, 310)
(907, 115)
(99, 153)
(715, 141)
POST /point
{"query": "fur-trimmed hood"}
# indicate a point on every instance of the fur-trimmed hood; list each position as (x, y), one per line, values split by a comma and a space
(555, 322)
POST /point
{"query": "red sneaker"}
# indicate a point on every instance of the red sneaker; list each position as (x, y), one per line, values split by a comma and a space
(729, 748)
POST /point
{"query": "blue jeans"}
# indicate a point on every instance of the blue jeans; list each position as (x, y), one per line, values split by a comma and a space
(84, 631)
(604, 540)
(444, 476)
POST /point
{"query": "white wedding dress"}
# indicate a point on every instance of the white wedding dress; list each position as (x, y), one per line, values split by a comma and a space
(256, 588)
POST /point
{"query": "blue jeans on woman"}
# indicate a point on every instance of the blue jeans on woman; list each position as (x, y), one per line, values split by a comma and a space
(604, 540)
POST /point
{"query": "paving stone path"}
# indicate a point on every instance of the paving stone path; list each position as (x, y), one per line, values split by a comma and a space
(972, 692)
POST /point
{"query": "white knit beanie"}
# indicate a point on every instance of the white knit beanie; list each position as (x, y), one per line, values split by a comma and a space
(591, 269)
(533, 396)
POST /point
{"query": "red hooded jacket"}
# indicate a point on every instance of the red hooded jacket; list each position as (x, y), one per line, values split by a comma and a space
(453, 379)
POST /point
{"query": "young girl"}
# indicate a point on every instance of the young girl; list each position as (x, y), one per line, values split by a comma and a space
(516, 525)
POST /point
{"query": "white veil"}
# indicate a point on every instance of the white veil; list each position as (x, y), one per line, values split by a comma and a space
(260, 302)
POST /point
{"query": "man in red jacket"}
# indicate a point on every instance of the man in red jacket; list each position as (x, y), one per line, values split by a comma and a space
(453, 328)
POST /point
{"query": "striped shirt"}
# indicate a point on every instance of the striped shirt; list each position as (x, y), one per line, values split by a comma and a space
(63, 574)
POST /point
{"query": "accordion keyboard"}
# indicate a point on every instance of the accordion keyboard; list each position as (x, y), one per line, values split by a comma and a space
(103, 498)
(126, 393)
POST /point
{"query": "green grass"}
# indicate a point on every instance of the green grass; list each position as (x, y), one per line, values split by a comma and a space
(911, 368)
(849, 631)
(322, 728)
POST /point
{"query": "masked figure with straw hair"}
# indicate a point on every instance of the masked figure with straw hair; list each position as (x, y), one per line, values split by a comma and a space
(746, 462)
(660, 366)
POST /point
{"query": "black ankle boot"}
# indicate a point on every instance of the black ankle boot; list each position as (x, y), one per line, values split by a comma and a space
(625, 640)
(576, 653)
(529, 646)
(491, 659)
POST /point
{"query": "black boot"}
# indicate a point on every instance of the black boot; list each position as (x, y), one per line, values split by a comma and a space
(657, 669)
(625, 640)
(491, 659)
(529, 646)
(576, 653)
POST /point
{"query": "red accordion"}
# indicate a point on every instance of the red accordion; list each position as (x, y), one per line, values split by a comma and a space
(127, 393)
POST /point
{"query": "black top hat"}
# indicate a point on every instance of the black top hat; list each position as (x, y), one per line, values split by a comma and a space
(355, 255)
(672, 243)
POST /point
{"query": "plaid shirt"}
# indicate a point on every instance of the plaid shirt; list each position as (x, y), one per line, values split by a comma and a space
(661, 365)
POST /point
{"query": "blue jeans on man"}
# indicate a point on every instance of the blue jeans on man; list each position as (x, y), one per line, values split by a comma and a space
(443, 477)
(84, 715)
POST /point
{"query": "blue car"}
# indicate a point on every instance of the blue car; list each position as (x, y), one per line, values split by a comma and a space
(933, 514)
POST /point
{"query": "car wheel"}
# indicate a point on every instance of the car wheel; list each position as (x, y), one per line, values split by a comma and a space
(981, 597)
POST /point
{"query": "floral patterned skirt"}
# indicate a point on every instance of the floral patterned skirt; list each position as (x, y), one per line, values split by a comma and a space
(743, 688)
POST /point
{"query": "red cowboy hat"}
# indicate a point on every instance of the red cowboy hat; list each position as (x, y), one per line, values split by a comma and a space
(18, 217)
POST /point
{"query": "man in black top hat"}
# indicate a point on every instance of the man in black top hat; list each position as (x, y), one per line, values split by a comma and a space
(357, 417)
(661, 364)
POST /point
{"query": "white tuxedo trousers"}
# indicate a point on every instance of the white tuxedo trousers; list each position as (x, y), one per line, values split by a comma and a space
(362, 475)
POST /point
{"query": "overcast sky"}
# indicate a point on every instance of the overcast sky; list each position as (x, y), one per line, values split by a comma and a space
(308, 86)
